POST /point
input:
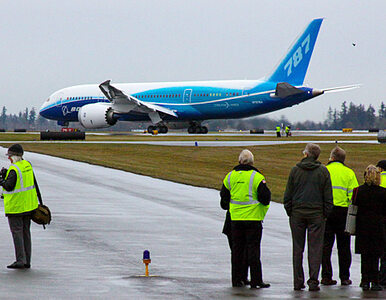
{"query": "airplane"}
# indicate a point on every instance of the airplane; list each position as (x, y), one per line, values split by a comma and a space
(188, 104)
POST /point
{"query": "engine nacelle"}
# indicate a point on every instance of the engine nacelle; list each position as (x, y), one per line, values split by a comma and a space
(96, 115)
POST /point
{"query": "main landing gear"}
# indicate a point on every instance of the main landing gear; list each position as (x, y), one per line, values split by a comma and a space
(159, 128)
(197, 129)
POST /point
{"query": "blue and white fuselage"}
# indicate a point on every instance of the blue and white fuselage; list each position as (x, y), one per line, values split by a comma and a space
(163, 103)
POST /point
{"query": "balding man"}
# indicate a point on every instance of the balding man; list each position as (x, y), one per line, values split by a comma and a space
(308, 202)
(245, 194)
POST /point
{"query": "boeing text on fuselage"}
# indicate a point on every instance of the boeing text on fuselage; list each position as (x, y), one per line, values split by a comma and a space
(187, 104)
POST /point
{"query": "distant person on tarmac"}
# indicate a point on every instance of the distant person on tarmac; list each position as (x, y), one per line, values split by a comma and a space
(245, 194)
(382, 275)
(278, 134)
(288, 131)
(308, 202)
(343, 182)
(20, 200)
(370, 238)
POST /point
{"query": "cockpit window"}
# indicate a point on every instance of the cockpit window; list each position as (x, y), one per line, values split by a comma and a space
(48, 100)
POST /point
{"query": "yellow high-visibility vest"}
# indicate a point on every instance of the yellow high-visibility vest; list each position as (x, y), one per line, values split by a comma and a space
(23, 198)
(383, 179)
(244, 205)
(343, 182)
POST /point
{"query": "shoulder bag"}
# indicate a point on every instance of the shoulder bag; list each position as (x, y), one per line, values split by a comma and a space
(351, 219)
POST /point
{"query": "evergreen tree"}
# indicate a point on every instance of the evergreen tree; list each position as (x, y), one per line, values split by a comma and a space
(3, 117)
(371, 116)
(382, 111)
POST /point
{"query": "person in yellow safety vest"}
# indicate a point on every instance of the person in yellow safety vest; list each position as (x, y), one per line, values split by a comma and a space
(278, 131)
(287, 130)
(382, 166)
(20, 200)
(343, 181)
(382, 272)
(246, 196)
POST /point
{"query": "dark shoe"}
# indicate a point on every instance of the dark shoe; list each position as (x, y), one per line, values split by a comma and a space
(328, 281)
(376, 287)
(365, 286)
(299, 288)
(313, 288)
(27, 266)
(16, 265)
(346, 282)
(263, 285)
(246, 282)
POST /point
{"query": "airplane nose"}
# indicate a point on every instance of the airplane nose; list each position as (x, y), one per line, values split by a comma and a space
(43, 111)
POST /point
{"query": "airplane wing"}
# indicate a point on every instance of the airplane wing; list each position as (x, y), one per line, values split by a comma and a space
(123, 103)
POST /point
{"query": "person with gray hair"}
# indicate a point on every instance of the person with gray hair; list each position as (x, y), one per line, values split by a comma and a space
(308, 202)
(20, 194)
(246, 197)
(343, 182)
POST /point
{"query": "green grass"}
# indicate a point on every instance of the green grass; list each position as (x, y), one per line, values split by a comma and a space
(205, 166)
(130, 136)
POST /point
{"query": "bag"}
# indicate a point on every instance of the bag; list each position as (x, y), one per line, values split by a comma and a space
(351, 219)
(42, 215)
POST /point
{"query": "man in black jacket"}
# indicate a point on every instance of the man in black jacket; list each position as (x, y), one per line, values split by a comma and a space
(308, 202)
(244, 234)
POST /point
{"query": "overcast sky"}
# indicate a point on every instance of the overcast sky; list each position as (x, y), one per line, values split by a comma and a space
(49, 45)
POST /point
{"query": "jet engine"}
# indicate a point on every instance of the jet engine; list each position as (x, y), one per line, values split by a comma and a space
(96, 115)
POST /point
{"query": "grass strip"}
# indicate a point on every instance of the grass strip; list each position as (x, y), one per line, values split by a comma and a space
(205, 166)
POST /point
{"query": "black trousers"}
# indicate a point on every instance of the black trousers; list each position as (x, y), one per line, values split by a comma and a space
(335, 226)
(369, 268)
(382, 271)
(315, 233)
(246, 239)
(21, 234)
(245, 261)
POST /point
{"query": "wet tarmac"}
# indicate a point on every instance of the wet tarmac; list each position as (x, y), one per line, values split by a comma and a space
(103, 220)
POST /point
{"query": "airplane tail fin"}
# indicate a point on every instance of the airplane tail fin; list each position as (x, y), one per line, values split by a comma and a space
(293, 67)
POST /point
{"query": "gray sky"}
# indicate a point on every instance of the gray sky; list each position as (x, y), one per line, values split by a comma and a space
(49, 45)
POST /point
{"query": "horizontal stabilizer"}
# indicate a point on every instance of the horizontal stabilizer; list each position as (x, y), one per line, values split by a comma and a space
(341, 88)
(284, 89)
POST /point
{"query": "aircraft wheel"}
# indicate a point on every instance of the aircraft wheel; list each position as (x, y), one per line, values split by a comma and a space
(163, 129)
(151, 128)
(204, 129)
(192, 129)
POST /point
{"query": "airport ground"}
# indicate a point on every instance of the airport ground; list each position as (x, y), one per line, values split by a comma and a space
(204, 166)
(103, 220)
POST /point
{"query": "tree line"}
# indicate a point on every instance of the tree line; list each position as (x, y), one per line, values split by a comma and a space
(349, 116)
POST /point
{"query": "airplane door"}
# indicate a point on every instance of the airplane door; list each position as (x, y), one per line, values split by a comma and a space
(60, 99)
(187, 96)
